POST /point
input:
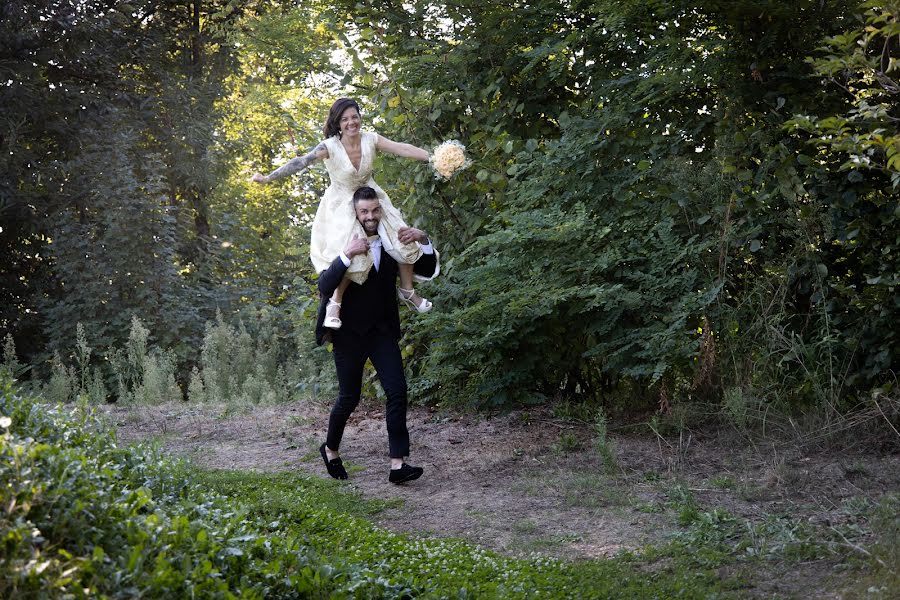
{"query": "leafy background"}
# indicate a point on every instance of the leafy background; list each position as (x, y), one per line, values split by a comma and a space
(669, 202)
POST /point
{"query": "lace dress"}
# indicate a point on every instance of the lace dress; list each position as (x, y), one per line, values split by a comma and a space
(335, 221)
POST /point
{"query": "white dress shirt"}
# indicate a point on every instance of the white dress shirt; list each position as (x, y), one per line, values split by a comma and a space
(375, 251)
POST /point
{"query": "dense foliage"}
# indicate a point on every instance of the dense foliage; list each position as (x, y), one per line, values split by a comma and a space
(670, 200)
(644, 207)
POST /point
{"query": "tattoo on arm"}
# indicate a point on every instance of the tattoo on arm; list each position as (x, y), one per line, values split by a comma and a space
(296, 165)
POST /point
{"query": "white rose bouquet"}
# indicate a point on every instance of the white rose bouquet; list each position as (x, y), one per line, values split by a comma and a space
(448, 159)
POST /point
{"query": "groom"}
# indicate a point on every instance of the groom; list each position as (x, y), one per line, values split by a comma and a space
(370, 330)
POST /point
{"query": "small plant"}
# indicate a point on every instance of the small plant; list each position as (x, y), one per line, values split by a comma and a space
(128, 363)
(96, 391)
(722, 482)
(11, 367)
(605, 447)
(82, 357)
(568, 443)
(157, 380)
(525, 527)
(683, 501)
(196, 391)
(734, 405)
(62, 387)
(574, 411)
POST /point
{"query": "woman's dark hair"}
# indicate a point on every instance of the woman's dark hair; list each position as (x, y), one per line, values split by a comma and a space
(333, 123)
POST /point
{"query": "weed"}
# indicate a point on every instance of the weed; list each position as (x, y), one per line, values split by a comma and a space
(550, 542)
(10, 367)
(574, 411)
(752, 492)
(524, 527)
(567, 443)
(300, 420)
(682, 500)
(653, 507)
(605, 447)
(723, 482)
(856, 470)
(591, 490)
(651, 476)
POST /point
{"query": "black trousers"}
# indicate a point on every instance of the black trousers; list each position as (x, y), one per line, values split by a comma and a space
(350, 354)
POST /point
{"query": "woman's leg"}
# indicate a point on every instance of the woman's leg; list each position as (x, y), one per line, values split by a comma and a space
(406, 275)
(407, 290)
(333, 309)
(338, 294)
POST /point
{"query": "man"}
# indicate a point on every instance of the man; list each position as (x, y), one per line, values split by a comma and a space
(370, 330)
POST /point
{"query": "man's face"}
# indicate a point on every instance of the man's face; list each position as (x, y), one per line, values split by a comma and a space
(368, 213)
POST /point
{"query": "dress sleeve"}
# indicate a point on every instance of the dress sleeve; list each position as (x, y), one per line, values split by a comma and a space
(374, 137)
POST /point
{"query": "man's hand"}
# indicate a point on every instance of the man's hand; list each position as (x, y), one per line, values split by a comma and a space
(408, 235)
(356, 246)
(259, 178)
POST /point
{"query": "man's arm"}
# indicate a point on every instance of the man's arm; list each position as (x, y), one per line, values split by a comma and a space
(330, 278)
(294, 165)
(427, 265)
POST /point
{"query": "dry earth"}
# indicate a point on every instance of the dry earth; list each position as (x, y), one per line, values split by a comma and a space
(525, 481)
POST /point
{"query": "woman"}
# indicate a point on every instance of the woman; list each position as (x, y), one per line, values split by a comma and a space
(348, 154)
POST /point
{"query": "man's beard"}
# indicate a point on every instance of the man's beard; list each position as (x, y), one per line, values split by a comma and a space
(370, 226)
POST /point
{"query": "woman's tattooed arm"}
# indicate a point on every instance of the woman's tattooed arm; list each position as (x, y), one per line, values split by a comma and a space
(297, 164)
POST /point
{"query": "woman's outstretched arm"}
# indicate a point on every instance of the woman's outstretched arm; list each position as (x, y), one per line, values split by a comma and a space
(401, 149)
(295, 165)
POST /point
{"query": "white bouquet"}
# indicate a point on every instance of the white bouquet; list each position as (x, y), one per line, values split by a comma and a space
(448, 159)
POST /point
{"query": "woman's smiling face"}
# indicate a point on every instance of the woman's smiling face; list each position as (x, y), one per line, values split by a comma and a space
(350, 122)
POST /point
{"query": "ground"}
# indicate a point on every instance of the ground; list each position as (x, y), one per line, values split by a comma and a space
(527, 481)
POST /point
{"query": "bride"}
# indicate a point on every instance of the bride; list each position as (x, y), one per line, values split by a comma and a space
(348, 153)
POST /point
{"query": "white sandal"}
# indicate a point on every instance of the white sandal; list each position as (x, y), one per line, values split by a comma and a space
(406, 298)
(332, 321)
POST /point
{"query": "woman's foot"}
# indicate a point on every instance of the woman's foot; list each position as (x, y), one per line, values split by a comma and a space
(413, 300)
(332, 315)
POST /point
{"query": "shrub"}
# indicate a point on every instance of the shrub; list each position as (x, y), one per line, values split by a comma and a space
(86, 517)
(10, 366)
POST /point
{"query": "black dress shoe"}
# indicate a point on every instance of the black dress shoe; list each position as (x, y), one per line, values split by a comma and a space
(405, 473)
(335, 466)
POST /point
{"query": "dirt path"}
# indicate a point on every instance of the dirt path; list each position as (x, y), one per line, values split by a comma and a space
(525, 482)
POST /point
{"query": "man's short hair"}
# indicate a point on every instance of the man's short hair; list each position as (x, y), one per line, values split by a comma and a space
(364, 193)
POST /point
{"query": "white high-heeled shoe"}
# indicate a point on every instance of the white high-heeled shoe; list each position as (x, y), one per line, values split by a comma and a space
(332, 321)
(406, 298)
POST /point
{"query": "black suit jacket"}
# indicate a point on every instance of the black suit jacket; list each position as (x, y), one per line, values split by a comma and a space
(370, 307)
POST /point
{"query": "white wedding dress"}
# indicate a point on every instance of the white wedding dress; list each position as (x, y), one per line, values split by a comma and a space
(335, 221)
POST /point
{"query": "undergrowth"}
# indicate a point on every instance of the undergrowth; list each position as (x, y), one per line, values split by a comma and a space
(82, 516)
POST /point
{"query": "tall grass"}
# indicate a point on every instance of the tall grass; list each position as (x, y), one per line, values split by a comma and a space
(235, 366)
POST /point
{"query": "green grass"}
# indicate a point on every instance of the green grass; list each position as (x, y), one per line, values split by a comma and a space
(592, 490)
(274, 494)
(85, 516)
(332, 521)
